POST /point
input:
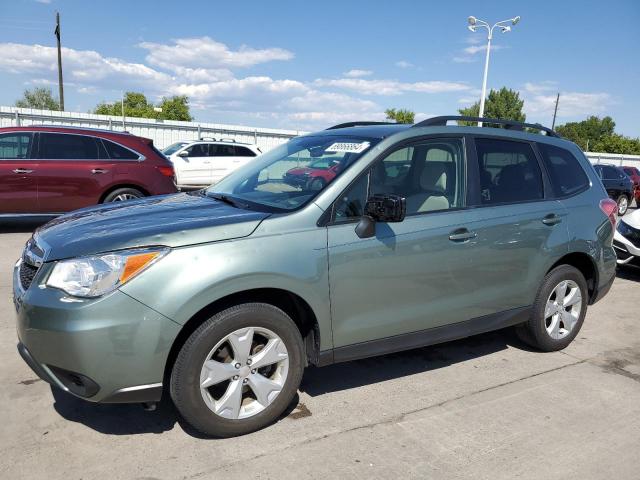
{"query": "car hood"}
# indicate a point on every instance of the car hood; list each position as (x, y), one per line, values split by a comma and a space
(632, 218)
(170, 220)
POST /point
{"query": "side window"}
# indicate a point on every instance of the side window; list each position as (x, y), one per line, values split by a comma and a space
(225, 151)
(15, 145)
(350, 206)
(509, 172)
(567, 176)
(118, 152)
(57, 146)
(244, 152)
(430, 175)
(198, 150)
(609, 173)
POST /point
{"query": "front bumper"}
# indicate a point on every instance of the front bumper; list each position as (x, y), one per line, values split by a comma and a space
(110, 349)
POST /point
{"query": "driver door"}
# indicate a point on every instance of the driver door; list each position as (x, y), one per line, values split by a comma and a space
(409, 276)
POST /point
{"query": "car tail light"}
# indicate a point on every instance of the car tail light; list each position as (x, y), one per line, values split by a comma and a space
(168, 171)
(610, 209)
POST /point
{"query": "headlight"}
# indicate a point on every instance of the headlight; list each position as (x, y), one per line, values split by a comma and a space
(624, 229)
(100, 274)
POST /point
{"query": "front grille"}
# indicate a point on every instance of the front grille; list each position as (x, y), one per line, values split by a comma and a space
(27, 272)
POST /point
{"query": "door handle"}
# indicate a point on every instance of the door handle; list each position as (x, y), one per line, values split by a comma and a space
(99, 171)
(462, 235)
(22, 170)
(551, 219)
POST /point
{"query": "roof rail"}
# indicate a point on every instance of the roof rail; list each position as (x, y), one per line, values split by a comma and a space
(72, 127)
(359, 124)
(509, 124)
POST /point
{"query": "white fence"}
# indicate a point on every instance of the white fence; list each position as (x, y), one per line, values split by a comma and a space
(614, 159)
(162, 132)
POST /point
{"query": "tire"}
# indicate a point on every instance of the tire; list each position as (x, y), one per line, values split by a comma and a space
(539, 331)
(623, 204)
(123, 194)
(316, 184)
(205, 408)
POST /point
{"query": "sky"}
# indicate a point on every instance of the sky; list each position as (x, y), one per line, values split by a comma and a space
(307, 65)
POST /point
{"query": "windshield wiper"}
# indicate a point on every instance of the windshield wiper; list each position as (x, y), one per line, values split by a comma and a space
(228, 200)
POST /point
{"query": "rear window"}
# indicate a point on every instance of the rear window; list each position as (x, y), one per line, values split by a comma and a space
(62, 146)
(244, 152)
(509, 172)
(566, 174)
(118, 152)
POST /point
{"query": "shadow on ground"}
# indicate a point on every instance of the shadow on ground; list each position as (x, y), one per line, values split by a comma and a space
(132, 419)
(22, 225)
(628, 273)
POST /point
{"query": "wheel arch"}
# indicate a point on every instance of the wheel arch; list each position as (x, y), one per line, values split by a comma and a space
(586, 265)
(292, 304)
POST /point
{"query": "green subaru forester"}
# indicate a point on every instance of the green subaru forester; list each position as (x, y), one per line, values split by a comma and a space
(221, 297)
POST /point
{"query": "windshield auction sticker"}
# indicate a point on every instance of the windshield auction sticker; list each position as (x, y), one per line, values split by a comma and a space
(345, 147)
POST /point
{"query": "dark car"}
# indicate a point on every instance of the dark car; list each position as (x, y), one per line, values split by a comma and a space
(52, 170)
(618, 185)
(634, 174)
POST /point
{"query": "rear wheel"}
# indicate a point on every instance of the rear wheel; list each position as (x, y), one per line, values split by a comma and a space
(239, 370)
(558, 311)
(123, 194)
(623, 204)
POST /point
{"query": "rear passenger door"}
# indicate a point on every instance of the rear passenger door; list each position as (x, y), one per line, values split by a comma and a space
(74, 171)
(226, 160)
(520, 227)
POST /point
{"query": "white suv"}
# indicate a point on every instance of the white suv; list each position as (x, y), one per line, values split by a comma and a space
(204, 162)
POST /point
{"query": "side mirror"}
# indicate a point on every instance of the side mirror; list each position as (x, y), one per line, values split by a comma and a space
(183, 154)
(381, 208)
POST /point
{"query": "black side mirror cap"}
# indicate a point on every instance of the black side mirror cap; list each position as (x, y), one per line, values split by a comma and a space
(381, 208)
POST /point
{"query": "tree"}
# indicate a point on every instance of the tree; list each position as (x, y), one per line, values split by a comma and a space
(400, 115)
(137, 105)
(504, 104)
(589, 132)
(616, 143)
(40, 98)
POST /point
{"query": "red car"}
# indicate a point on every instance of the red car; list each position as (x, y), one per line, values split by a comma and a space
(634, 175)
(52, 170)
(314, 176)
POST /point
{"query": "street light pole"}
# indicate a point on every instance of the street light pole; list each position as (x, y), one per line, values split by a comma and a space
(474, 23)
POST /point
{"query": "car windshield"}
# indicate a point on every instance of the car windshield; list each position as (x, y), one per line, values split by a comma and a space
(270, 180)
(173, 148)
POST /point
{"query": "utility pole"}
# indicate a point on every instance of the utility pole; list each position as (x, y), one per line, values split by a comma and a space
(555, 112)
(60, 87)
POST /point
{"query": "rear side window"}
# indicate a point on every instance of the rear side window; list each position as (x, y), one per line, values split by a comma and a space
(509, 172)
(58, 146)
(611, 173)
(567, 176)
(118, 152)
(225, 151)
(15, 145)
(244, 152)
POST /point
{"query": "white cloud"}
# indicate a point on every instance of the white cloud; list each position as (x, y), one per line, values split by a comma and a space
(46, 2)
(391, 87)
(356, 73)
(572, 104)
(204, 52)
(470, 54)
(541, 87)
(404, 64)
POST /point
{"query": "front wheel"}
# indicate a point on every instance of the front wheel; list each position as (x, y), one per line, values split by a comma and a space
(239, 370)
(558, 311)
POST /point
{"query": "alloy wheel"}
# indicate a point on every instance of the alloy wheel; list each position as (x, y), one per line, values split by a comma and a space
(244, 373)
(623, 204)
(563, 309)
(123, 197)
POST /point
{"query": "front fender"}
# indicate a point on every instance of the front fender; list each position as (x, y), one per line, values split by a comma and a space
(190, 278)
